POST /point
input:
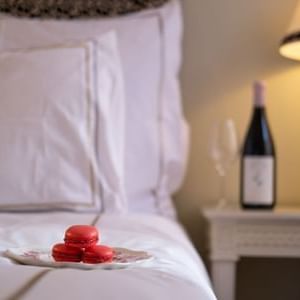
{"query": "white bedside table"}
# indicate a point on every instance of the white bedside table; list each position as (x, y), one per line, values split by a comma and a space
(234, 233)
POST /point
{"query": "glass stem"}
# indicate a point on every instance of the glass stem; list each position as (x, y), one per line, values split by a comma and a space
(222, 191)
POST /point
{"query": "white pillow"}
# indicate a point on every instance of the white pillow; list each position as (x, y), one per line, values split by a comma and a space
(57, 102)
(156, 134)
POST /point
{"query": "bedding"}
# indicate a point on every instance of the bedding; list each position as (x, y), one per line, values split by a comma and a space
(155, 133)
(138, 155)
(176, 272)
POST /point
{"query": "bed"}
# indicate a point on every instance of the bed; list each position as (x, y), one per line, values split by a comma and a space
(92, 132)
(176, 272)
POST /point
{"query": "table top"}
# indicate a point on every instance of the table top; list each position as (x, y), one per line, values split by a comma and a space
(232, 212)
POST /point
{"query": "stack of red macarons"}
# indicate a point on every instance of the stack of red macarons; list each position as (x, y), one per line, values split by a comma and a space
(81, 245)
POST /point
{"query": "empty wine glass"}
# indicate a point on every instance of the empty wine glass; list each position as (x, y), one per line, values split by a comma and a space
(223, 150)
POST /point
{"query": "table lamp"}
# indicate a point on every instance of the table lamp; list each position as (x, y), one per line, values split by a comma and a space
(290, 44)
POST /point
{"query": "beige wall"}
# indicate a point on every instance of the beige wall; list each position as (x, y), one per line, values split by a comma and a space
(227, 45)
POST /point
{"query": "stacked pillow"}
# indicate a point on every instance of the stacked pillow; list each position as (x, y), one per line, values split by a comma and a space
(54, 99)
(137, 154)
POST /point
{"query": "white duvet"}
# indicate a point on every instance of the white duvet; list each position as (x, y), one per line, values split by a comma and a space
(176, 272)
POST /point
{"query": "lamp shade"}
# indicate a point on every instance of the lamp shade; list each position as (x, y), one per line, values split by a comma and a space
(290, 44)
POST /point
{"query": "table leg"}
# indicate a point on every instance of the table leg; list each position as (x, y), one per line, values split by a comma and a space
(223, 278)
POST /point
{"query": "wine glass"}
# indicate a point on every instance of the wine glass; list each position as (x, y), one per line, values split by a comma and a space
(223, 151)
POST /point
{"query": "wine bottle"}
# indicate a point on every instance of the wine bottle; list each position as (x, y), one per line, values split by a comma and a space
(258, 159)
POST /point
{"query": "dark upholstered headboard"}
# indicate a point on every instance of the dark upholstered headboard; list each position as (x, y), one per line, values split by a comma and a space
(75, 8)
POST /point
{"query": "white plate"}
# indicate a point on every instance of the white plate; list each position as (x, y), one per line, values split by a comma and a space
(42, 257)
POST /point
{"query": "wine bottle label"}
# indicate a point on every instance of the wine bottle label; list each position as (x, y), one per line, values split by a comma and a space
(258, 180)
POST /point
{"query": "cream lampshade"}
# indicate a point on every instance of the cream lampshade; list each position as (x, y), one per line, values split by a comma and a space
(290, 44)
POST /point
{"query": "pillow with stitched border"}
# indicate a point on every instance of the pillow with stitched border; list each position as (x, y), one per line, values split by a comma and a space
(156, 133)
(56, 101)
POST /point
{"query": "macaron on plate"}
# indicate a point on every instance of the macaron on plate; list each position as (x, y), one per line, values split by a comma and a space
(79, 250)
(122, 258)
(81, 236)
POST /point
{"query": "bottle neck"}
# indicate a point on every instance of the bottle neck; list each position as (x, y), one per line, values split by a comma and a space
(259, 102)
(259, 114)
(259, 94)
(259, 111)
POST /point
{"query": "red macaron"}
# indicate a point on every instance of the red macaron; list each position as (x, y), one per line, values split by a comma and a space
(98, 254)
(81, 236)
(61, 252)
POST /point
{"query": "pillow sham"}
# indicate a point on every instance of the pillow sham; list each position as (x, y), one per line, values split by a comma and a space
(53, 100)
(156, 134)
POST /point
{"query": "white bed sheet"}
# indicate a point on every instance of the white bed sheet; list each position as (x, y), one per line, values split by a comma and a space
(176, 272)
